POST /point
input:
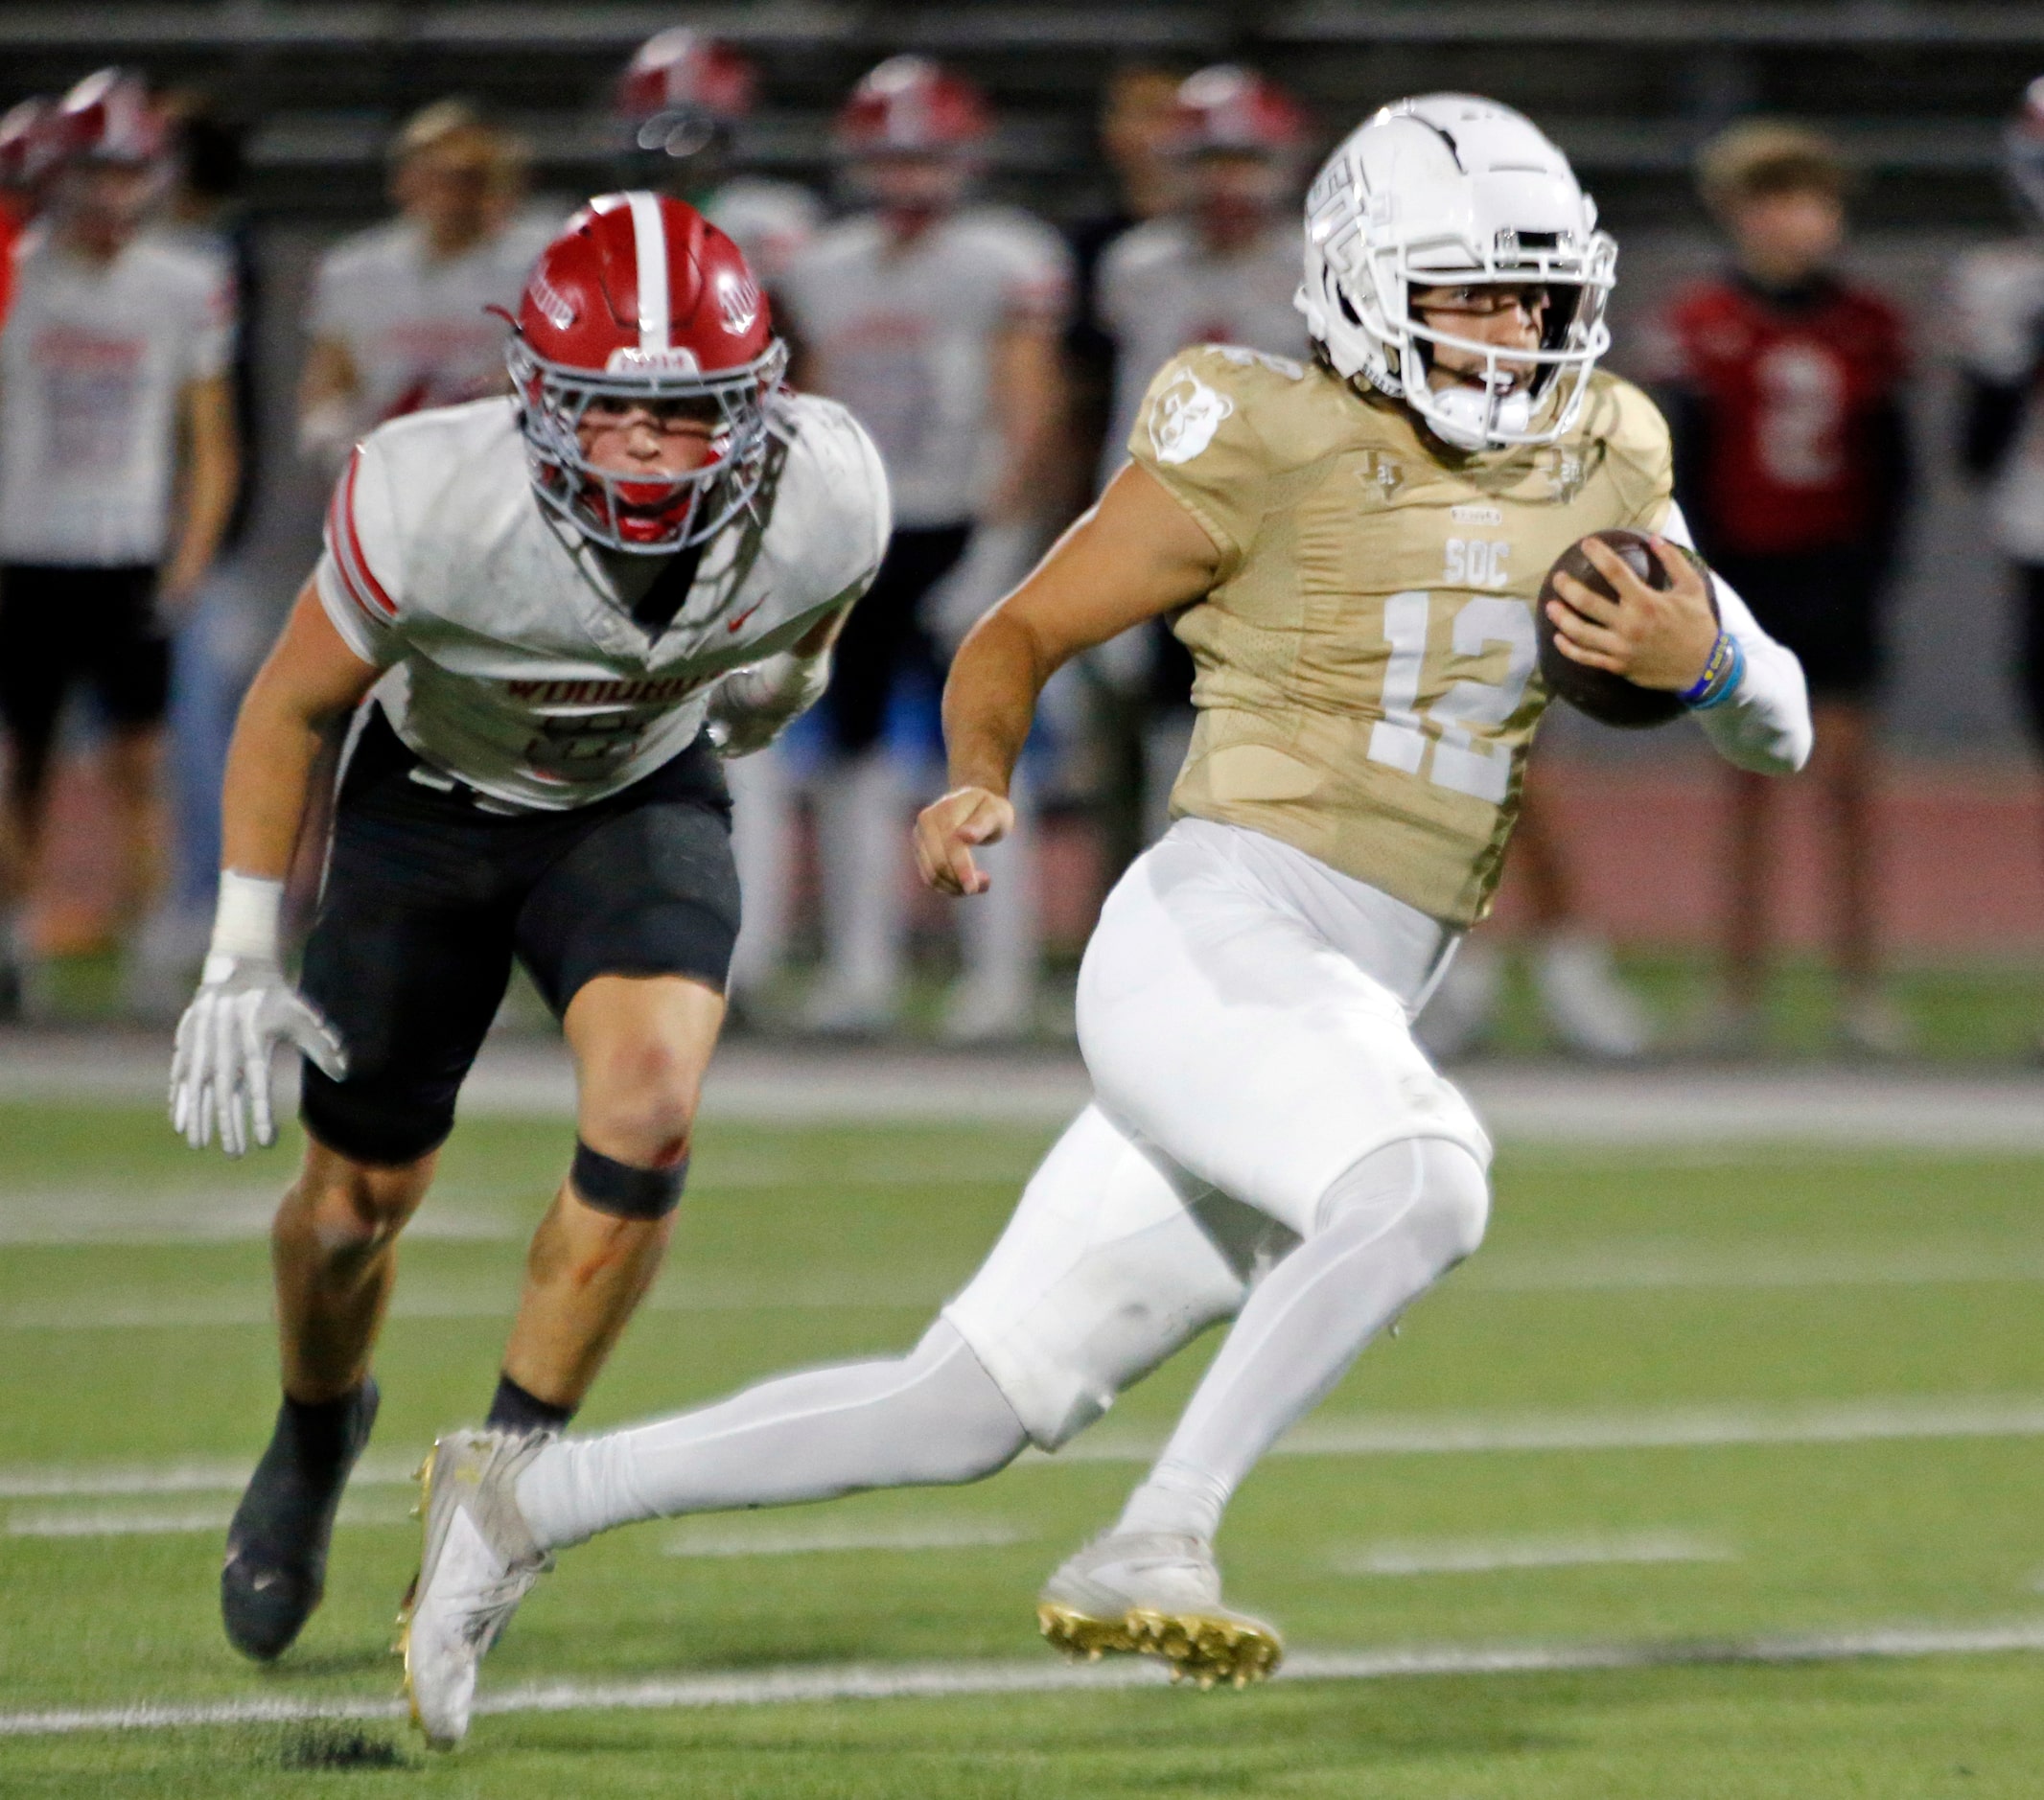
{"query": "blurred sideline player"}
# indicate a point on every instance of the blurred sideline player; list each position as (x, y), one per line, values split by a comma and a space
(1139, 118)
(117, 473)
(399, 318)
(230, 623)
(1787, 408)
(680, 106)
(2000, 301)
(1221, 266)
(27, 146)
(938, 322)
(1266, 1142)
(559, 601)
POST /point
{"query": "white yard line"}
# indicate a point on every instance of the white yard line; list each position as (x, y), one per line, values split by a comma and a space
(1485, 1555)
(1676, 1427)
(800, 1541)
(1418, 1434)
(108, 1522)
(877, 1681)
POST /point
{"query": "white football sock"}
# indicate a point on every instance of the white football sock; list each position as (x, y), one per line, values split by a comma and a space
(763, 843)
(1389, 1228)
(931, 1418)
(861, 836)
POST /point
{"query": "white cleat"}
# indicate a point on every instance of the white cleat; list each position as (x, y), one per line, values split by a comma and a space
(1871, 1024)
(1458, 1018)
(479, 1560)
(838, 1007)
(987, 1013)
(1589, 1009)
(1155, 1594)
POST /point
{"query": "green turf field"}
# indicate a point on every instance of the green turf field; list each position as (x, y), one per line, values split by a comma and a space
(1758, 1395)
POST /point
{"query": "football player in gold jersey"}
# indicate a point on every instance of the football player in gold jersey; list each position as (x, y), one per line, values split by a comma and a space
(1352, 551)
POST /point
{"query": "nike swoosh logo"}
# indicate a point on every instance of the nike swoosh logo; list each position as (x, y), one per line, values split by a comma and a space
(736, 623)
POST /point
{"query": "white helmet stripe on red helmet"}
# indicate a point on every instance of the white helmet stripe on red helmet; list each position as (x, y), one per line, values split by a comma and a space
(649, 249)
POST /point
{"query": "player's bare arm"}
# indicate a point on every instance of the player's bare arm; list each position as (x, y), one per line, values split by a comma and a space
(212, 467)
(310, 680)
(1136, 555)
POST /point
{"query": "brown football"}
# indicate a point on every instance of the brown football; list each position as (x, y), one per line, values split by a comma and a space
(1607, 698)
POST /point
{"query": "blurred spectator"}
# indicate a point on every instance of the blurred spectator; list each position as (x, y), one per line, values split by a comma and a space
(2000, 295)
(938, 322)
(682, 102)
(232, 620)
(1786, 399)
(679, 106)
(1220, 266)
(1138, 118)
(117, 473)
(400, 314)
(28, 144)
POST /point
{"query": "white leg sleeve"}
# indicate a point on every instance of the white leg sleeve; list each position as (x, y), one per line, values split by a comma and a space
(1390, 1228)
(862, 835)
(762, 841)
(933, 1417)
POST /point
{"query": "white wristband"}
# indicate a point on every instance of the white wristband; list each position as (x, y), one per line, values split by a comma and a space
(245, 922)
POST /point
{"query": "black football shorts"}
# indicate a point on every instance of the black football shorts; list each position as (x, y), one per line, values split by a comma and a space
(1826, 605)
(429, 897)
(62, 626)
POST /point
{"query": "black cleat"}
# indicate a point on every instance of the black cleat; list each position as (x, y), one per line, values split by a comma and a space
(277, 1565)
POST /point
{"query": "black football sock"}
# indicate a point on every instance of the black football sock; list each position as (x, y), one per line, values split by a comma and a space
(323, 1431)
(514, 1408)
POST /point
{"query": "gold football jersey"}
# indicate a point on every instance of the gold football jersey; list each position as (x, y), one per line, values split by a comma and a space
(1366, 683)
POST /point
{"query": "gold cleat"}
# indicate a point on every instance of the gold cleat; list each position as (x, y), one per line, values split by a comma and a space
(1208, 1648)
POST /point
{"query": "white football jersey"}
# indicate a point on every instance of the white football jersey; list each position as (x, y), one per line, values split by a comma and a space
(417, 326)
(2000, 301)
(1162, 290)
(771, 222)
(903, 335)
(514, 663)
(92, 363)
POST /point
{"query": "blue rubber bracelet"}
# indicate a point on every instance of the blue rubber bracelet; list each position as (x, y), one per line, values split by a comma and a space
(1727, 679)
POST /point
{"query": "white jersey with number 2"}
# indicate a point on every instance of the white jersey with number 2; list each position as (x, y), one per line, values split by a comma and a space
(514, 663)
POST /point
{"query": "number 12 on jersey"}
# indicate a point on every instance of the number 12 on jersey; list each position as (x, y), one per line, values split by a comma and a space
(1462, 761)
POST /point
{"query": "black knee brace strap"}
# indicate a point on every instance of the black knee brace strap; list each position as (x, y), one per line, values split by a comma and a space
(629, 1193)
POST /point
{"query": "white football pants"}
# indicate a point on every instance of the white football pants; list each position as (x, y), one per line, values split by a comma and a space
(1266, 1144)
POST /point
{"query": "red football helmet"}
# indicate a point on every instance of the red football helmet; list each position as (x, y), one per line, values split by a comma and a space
(1228, 107)
(640, 298)
(911, 106)
(2023, 151)
(28, 144)
(110, 118)
(680, 92)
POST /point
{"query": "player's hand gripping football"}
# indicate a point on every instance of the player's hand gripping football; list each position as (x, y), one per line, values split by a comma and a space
(1657, 637)
(220, 1076)
(947, 832)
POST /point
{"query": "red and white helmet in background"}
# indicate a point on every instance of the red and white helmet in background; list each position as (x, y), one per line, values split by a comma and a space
(912, 106)
(640, 298)
(2023, 151)
(681, 91)
(28, 144)
(1228, 107)
(110, 118)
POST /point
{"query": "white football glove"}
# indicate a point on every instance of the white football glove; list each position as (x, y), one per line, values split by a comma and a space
(751, 706)
(244, 1007)
(220, 1075)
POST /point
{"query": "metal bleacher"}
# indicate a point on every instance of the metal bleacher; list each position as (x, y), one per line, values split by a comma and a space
(1917, 88)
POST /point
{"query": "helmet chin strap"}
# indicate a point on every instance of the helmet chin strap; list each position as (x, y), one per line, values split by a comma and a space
(1468, 417)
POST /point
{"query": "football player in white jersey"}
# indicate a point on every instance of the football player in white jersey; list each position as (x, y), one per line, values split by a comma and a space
(682, 107)
(398, 317)
(1999, 293)
(557, 602)
(1266, 1142)
(117, 473)
(937, 321)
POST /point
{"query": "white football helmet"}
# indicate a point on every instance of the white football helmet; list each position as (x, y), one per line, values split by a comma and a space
(1448, 188)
